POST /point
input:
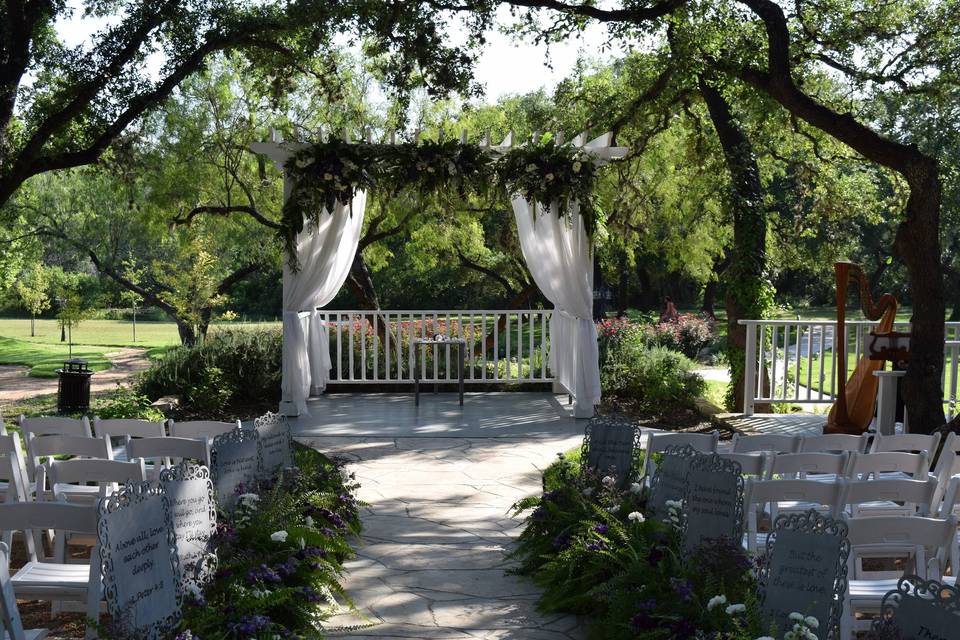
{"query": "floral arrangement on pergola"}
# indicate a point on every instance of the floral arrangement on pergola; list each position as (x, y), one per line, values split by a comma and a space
(328, 173)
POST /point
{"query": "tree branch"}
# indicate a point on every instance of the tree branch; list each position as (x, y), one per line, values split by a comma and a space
(186, 219)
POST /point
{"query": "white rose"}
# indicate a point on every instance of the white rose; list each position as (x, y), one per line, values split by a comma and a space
(796, 617)
(588, 491)
(609, 481)
(549, 177)
(279, 536)
(635, 516)
(636, 488)
(577, 166)
(736, 608)
(309, 521)
(716, 601)
(811, 622)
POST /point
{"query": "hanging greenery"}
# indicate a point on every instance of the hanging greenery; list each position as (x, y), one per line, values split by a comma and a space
(330, 173)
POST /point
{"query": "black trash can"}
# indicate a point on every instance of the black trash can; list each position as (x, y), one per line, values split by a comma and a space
(73, 388)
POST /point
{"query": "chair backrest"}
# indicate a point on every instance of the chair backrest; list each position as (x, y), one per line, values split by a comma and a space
(13, 467)
(833, 442)
(657, 442)
(864, 465)
(799, 465)
(115, 428)
(170, 449)
(3, 425)
(950, 496)
(200, 428)
(934, 538)
(906, 442)
(80, 446)
(103, 472)
(910, 492)
(776, 443)
(827, 494)
(751, 464)
(54, 425)
(9, 613)
(39, 516)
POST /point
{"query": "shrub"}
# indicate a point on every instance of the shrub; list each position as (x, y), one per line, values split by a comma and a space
(125, 402)
(656, 378)
(280, 556)
(232, 367)
(688, 334)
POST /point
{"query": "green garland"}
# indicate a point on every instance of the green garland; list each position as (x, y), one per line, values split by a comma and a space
(330, 173)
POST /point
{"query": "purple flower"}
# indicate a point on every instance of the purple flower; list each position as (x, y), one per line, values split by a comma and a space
(682, 588)
(249, 625)
(596, 546)
(263, 573)
(601, 529)
(309, 594)
(655, 555)
(539, 513)
(550, 496)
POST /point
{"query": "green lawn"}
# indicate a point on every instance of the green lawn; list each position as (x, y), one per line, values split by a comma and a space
(44, 353)
(716, 393)
(44, 359)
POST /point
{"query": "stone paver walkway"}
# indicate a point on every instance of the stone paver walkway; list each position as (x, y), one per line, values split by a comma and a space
(125, 363)
(436, 532)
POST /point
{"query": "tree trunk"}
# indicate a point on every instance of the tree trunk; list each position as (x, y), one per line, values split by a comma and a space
(623, 283)
(720, 264)
(745, 281)
(33, 326)
(188, 336)
(361, 283)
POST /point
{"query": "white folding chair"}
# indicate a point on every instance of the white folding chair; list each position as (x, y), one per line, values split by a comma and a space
(835, 442)
(931, 542)
(3, 426)
(51, 426)
(772, 442)
(785, 495)
(751, 464)
(13, 470)
(889, 465)
(11, 627)
(123, 430)
(658, 442)
(208, 429)
(57, 582)
(164, 452)
(58, 445)
(890, 497)
(819, 466)
(910, 442)
(69, 479)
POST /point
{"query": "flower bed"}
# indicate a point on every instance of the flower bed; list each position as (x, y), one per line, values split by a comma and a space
(588, 545)
(281, 555)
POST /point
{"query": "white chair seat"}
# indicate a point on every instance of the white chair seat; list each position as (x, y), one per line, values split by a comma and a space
(872, 590)
(951, 580)
(882, 508)
(36, 580)
(791, 505)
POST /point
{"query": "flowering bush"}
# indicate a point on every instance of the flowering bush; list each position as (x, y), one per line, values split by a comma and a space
(589, 546)
(654, 378)
(688, 334)
(281, 555)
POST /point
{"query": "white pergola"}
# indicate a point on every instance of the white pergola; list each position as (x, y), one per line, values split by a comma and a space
(556, 250)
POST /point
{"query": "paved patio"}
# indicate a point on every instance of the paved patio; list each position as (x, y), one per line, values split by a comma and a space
(439, 480)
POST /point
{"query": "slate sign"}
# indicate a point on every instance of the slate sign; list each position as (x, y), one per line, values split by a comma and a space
(920, 610)
(139, 562)
(611, 447)
(713, 500)
(277, 442)
(806, 570)
(236, 458)
(670, 480)
(188, 490)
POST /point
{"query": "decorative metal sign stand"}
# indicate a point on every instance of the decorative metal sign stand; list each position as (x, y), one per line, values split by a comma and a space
(236, 458)
(277, 441)
(670, 480)
(189, 496)
(612, 446)
(919, 609)
(713, 501)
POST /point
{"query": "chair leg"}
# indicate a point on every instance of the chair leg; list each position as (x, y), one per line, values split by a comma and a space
(94, 589)
(846, 623)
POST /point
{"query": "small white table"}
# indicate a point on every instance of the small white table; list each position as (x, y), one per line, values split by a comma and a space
(887, 401)
(418, 345)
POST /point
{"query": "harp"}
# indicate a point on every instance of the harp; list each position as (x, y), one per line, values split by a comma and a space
(854, 408)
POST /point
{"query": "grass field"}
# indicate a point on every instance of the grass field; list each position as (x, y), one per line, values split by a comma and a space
(44, 353)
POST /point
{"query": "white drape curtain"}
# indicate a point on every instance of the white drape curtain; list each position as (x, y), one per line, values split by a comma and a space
(325, 253)
(560, 258)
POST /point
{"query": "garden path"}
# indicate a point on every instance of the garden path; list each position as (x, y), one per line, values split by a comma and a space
(15, 384)
(437, 529)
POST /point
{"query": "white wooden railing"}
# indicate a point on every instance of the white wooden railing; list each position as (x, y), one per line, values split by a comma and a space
(789, 353)
(502, 347)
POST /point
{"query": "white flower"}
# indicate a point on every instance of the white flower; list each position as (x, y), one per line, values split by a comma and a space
(249, 497)
(736, 608)
(588, 491)
(309, 521)
(635, 516)
(766, 638)
(796, 617)
(279, 536)
(608, 481)
(531, 167)
(194, 591)
(636, 488)
(673, 504)
(549, 177)
(576, 166)
(716, 601)
(613, 508)
(328, 176)
(811, 622)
